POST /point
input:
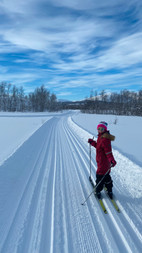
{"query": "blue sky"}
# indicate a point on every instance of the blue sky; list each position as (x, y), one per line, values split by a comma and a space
(71, 46)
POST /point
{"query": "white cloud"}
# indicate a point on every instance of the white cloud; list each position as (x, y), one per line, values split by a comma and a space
(123, 54)
(89, 4)
(3, 69)
(64, 94)
(64, 34)
(68, 46)
(17, 6)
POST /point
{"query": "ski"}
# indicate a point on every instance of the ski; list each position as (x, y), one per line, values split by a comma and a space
(100, 201)
(112, 201)
(101, 204)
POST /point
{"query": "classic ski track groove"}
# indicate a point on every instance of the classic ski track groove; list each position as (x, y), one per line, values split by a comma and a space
(49, 208)
(134, 234)
(23, 197)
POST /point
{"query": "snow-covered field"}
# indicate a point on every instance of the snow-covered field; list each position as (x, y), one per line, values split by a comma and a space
(44, 170)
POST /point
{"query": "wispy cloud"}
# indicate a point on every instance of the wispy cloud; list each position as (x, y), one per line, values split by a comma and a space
(71, 44)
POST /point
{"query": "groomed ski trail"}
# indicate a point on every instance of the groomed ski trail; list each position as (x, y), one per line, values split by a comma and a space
(46, 183)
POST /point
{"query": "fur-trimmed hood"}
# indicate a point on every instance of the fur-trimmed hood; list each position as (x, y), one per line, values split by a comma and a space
(109, 136)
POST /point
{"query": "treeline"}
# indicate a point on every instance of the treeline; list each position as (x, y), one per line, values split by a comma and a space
(123, 103)
(13, 99)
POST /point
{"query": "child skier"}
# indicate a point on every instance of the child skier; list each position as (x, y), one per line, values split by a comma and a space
(104, 158)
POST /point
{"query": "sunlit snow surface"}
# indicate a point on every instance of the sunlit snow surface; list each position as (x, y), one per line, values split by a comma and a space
(45, 165)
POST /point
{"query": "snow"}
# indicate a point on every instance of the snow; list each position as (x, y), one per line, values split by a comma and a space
(16, 128)
(14, 131)
(44, 169)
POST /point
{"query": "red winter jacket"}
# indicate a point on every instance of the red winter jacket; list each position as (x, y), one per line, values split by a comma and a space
(104, 154)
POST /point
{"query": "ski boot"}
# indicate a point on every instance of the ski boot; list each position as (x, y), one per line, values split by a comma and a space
(110, 194)
(98, 195)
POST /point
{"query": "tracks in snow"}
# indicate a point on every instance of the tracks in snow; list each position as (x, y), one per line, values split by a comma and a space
(51, 173)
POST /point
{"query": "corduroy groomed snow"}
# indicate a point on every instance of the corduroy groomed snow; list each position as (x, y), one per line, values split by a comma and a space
(102, 124)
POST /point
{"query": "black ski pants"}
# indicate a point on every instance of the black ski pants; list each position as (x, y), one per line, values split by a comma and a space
(107, 182)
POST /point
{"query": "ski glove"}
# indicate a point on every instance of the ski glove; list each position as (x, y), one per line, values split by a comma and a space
(90, 141)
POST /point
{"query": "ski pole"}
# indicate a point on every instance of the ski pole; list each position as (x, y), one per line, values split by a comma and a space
(90, 160)
(95, 187)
